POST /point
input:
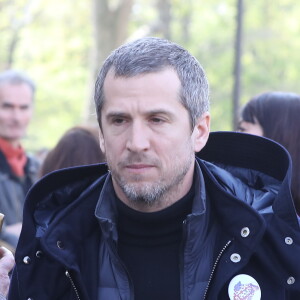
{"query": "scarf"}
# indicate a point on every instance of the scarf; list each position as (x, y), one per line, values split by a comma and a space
(15, 157)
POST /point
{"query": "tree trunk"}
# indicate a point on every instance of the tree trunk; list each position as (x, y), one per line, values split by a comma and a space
(109, 31)
(15, 26)
(165, 18)
(237, 63)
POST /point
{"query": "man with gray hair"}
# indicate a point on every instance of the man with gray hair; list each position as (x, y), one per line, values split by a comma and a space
(17, 170)
(178, 214)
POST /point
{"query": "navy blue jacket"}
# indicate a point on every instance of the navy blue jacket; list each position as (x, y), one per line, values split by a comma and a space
(242, 222)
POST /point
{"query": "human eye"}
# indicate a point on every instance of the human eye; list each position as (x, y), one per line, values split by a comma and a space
(156, 120)
(6, 106)
(118, 121)
(24, 107)
(241, 129)
(241, 126)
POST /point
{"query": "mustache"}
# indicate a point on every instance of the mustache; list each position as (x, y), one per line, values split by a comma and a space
(15, 123)
(138, 158)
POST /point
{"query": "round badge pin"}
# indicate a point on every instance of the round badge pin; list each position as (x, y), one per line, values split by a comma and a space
(244, 287)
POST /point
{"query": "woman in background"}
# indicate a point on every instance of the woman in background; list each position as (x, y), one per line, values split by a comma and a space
(78, 146)
(276, 115)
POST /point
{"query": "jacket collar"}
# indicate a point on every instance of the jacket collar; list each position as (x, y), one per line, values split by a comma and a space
(105, 209)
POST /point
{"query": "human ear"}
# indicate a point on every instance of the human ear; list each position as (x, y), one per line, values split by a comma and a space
(201, 131)
(101, 141)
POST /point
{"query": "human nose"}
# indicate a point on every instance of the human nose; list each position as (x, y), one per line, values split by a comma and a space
(17, 113)
(138, 139)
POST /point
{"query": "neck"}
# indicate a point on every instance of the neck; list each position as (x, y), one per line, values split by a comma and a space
(14, 143)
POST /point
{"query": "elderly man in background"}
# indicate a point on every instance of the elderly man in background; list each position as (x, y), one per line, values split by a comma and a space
(17, 169)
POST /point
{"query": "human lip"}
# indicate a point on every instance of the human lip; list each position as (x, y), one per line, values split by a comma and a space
(14, 126)
(139, 167)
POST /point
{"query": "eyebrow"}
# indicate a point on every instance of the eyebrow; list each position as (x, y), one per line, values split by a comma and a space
(8, 103)
(114, 114)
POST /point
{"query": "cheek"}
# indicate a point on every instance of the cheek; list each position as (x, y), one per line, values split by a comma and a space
(259, 131)
(4, 117)
(172, 148)
(112, 147)
(26, 118)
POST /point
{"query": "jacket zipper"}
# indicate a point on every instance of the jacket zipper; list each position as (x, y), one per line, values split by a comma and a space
(214, 267)
(73, 284)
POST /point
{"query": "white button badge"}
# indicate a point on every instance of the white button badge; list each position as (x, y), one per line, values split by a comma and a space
(244, 287)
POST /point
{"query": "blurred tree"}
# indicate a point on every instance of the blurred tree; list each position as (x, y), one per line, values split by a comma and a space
(237, 63)
(110, 21)
(62, 44)
(111, 29)
(15, 16)
(271, 47)
(54, 50)
(164, 18)
(110, 26)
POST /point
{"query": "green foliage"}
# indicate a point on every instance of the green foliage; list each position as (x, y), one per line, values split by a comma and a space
(271, 47)
(211, 31)
(55, 38)
(54, 50)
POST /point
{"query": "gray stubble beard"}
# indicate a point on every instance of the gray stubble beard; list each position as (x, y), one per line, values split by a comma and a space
(151, 194)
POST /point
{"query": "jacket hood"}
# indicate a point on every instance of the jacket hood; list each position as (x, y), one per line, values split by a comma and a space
(259, 163)
(249, 152)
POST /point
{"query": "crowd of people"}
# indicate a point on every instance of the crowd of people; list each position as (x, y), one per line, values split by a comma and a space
(173, 212)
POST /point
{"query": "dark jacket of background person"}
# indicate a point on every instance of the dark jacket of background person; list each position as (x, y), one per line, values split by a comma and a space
(278, 114)
(12, 188)
(13, 191)
(78, 146)
(56, 250)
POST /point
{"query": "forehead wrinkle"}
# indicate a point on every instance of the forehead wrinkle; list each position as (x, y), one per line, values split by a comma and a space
(159, 112)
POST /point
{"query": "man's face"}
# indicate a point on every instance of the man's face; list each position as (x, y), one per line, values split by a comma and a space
(16, 101)
(148, 140)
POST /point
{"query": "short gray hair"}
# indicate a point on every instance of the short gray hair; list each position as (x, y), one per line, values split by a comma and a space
(17, 77)
(150, 54)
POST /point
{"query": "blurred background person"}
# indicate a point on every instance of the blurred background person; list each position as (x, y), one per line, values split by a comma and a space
(18, 171)
(276, 115)
(78, 146)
